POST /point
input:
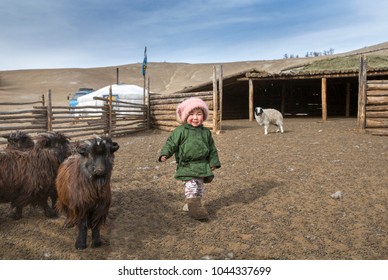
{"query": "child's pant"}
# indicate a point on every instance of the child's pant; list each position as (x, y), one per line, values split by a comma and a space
(194, 188)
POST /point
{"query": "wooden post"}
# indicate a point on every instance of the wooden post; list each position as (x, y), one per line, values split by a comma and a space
(362, 78)
(251, 117)
(110, 112)
(324, 100)
(347, 109)
(215, 99)
(283, 105)
(145, 77)
(49, 112)
(148, 105)
(220, 82)
(43, 101)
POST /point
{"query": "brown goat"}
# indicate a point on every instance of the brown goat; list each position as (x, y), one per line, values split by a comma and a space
(28, 177)
(20, 141)
(84, 191)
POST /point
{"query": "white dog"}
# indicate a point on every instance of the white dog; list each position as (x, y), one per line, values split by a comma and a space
(269, 116)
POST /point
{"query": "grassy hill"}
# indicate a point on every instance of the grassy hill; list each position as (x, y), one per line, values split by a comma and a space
(164, 77)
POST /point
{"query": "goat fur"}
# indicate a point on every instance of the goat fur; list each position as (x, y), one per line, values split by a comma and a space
(28, 177)
(84, 190)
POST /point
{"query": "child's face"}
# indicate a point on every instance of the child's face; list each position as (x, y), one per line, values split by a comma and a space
(195, 117)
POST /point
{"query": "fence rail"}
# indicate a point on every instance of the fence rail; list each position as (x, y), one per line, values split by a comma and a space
(163, 109)
(115, 118)
(22, 117)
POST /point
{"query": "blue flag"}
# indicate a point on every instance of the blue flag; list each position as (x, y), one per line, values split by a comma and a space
(144, 68)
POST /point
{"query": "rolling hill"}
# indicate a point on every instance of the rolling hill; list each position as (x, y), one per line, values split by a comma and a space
(19, 85)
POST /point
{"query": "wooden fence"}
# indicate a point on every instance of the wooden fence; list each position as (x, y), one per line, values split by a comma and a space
(163, 107)
(20, 116)
(372, 103)
(115, 118)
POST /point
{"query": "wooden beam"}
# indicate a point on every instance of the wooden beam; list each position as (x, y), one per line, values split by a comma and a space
(251, 101)
(324, 99)
(283, 104)
(347, 108)
(49, 112)
(220, 81)
(362, 84)
(215, 99)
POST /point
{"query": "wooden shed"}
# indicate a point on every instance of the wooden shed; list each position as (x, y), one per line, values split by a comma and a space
(324, 88)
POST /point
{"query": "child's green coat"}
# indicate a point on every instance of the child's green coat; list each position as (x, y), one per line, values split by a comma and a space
(195, 152)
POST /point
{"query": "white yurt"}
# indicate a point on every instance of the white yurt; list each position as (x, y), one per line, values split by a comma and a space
(120, 92)
(123, 92)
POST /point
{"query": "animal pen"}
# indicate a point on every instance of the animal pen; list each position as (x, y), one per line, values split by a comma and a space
(115, 118)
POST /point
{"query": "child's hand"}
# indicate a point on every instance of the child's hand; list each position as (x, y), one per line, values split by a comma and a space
(163, 158)
(213, 168)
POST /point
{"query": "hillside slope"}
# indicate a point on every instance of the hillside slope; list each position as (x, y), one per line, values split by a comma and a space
(164, 77)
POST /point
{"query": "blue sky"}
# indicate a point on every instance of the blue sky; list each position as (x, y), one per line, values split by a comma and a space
(90, 33)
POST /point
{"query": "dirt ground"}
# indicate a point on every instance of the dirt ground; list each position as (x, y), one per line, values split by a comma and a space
(271, 199)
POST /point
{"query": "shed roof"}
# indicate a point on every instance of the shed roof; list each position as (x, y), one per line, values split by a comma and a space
(336, 67)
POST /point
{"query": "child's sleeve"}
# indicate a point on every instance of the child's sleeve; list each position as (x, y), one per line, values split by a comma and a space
(213, 156)
(170, 146)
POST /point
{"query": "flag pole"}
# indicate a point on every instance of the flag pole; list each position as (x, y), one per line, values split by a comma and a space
(144, 71)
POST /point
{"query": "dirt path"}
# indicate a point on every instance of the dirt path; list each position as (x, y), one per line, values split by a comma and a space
(270, 200)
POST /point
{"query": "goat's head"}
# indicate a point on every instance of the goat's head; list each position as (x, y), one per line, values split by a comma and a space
(97, 158)
(55, 141)
(19, 140)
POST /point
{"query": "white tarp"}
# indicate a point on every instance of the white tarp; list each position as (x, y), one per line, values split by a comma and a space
(120, 92)
(123, 92)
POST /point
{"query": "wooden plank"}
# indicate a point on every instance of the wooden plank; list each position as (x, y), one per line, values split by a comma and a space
(181, 95)
(20, 103)
(377, 93)
(177, 100)
(36, 112)
(379, 86)
(377, 108)
(377, 82)
(40, 127)
(173, 106)
(377, 100)
(377, 114)
(376, 123)
(378, 132)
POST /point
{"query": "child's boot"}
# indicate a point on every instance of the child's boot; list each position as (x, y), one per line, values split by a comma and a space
(196, 209)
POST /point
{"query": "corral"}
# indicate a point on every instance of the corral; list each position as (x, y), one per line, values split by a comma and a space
(271, 199)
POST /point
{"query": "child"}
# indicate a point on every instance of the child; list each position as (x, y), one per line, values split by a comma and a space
(195, 153)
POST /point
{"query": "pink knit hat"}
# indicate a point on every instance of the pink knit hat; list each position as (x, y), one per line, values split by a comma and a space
(183, 110)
